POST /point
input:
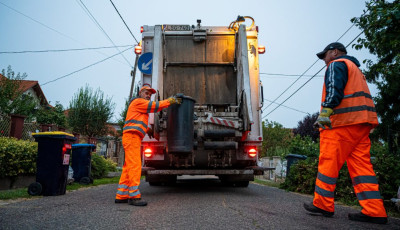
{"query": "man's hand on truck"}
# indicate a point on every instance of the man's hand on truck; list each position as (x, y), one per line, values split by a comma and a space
(150, 132)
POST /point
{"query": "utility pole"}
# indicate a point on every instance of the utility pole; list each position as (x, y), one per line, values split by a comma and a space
(133, 74)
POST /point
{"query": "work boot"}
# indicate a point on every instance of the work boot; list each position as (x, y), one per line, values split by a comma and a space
(364, 218)
(119, 201)
(137, 202)
(311, 208)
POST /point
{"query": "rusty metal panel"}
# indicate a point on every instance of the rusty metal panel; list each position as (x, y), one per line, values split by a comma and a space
(207, 84)
(187, 80)
(184, 49)
(220, 49)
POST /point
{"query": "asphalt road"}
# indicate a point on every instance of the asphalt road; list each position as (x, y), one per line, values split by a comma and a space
(190, 204)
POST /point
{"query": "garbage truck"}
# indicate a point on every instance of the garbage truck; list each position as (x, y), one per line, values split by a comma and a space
(217, 129)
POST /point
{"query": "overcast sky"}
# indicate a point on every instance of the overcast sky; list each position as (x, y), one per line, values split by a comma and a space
(293, 32)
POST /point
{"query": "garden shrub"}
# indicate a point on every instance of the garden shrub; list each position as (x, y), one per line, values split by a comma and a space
(101, 166)
(17, 157)
(303, 174)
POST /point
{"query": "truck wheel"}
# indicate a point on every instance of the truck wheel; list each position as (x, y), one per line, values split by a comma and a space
(35, 189)
(242, 184)
(155, 183)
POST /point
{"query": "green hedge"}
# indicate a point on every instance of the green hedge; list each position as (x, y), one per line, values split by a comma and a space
(303, 174)
(17, 157)
(101, 166)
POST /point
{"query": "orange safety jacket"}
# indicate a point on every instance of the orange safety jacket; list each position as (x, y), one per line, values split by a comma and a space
(137, 117)
(357, 106)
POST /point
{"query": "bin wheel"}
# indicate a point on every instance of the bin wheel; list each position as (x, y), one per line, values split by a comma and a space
(85, 180)
(35, 189)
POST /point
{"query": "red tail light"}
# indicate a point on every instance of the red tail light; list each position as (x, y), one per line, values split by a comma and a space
(148, 152)
(261, 49)
(252, 152)
(138, 49)
(141, 29)
(65, 148)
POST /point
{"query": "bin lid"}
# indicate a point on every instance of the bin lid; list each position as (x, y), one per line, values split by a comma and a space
(296, 156)
(55, 134)
(75, 146)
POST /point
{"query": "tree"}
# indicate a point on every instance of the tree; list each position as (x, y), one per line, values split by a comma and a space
(276, 139)
(12, 99)
(51, 115)
(381, 26)
(306, 128)
(89, 112)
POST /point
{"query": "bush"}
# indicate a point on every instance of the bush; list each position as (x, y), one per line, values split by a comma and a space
(17, 157)
(303, 174)
(101, 166)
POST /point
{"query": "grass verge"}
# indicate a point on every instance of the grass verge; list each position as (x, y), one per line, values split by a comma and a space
(267, 183)
(23, 192)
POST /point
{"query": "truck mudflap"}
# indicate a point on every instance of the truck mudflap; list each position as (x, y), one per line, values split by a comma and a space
(252, 170)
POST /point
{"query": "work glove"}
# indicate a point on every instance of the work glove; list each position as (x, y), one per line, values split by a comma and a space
(150, 132)
(175, 100)
(323, 118)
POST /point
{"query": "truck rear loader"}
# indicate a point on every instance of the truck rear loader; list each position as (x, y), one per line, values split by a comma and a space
(217, 129)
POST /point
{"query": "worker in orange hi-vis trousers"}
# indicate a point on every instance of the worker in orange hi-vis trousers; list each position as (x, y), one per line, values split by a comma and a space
(349, 112)
(135, 128)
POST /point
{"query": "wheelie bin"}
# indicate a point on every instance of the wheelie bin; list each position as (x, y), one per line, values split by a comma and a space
(52, 163)
(81, 162)
(292, 159)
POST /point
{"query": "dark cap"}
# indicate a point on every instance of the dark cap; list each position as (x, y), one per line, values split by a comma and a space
(332, 46)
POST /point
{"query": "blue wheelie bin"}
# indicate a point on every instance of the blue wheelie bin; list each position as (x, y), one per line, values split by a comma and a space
(81, 162)
(292, 159)
(52, 163)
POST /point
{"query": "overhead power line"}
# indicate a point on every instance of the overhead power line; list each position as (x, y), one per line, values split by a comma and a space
(61, 50)
(52, 29)
(288, 75)
(124, 22)
(101, 28)
(288, 107)
(309, 69)
(280, 104)
(85, 67)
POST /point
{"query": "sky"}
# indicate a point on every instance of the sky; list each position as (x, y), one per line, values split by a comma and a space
(292, 31)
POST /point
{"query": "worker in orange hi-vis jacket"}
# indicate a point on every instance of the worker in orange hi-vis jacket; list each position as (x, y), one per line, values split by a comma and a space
(135, 128)
(348, 110)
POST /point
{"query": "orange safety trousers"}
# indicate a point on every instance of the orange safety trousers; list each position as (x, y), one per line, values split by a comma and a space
(128, 186)
(349, 144)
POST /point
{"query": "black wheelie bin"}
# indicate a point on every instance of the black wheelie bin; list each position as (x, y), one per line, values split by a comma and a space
(81, 162)
(52, 163)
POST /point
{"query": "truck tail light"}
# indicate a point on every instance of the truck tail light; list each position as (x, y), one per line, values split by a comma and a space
(252, 152)
(141, 29)
(138, 49)
(261, 49)
(148, 152)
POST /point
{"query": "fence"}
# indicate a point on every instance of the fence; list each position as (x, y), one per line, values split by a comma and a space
(27, 130)
(5, 124)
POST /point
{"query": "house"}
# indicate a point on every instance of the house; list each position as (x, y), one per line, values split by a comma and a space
(33, 89)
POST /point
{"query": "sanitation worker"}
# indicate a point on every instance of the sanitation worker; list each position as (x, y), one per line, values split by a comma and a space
(135, 128)
(345, 121)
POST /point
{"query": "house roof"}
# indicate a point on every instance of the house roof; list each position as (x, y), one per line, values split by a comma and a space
(34, 85)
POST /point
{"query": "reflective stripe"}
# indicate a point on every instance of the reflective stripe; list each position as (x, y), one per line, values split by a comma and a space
(369, 195)
(157, 105)
(326, 179)
(359, 94)
(354, 109)
(133, 187)
(122, 193)
(149, 107)
(134, 193)
(136, 122)
(324, 192)
(136, 128)
(122, 186)
(364, 179)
